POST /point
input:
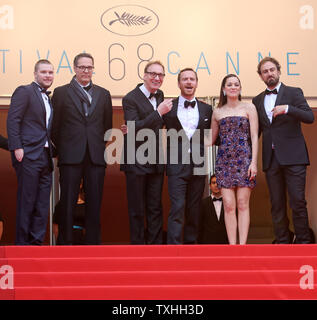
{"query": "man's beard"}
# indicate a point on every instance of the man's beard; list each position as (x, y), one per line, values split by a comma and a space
(272, 82)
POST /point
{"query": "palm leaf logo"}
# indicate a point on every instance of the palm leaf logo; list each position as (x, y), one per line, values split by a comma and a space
(130, 20)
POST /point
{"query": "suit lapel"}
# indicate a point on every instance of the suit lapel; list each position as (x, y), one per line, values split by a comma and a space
(160, 98)
(213, 209)
(279, 95)
(39, 96)
(173, 112)
(144, 101)
(278, 100)
(95, 97)
(263, 114)
(51, 115)
(214, 213)
(76, 100)
(222, 215)
(201, 114)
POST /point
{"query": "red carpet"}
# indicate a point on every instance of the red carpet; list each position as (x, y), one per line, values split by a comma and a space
(210, 272)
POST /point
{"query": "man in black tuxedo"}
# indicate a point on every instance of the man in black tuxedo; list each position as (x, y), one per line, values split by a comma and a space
(143, 108)
(212, 228)
(281, 110)
(29, 127)
(185, 125)
(82, 116)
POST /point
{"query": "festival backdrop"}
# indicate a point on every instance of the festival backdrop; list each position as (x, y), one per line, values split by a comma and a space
(213, 37)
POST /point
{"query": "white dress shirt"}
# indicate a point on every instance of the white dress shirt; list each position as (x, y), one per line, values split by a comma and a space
(217, 205)
(147, 93)
(269, 103)
(47, 109)
(188, 117)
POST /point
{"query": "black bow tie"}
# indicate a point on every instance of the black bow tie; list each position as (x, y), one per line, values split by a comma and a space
(189, 103)
(270, 92)
(155, 95)
(216, 199)
(45, 91)
(87, 88)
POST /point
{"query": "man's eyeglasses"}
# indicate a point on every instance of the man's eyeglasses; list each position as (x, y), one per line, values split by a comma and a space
(84, 68)
(154, 75)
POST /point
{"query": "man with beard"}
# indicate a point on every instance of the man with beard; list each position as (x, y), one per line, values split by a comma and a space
(281, 110)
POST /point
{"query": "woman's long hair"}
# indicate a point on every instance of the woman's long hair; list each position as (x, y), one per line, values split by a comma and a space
(223, 98)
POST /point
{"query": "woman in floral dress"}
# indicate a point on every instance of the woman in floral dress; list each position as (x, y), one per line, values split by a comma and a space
(236, 124)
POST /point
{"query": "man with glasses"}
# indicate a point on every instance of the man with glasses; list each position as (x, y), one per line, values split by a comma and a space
(143, 108)
(82, 115)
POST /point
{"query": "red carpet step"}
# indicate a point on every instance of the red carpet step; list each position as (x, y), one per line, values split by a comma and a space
(197, 272)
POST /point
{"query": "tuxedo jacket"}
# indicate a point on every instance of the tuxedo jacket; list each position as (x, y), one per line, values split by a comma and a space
(73, 132)
(138, 108)
(285, 131)
(26, 122)
(178, 156)
(211, 230)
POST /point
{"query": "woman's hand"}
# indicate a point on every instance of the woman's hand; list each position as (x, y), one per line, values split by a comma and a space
(252, 171)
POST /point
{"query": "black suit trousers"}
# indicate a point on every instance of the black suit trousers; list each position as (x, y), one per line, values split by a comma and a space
(291, 178)
(93, 180)
(144, 194)
(33, 198)
(185, 192)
